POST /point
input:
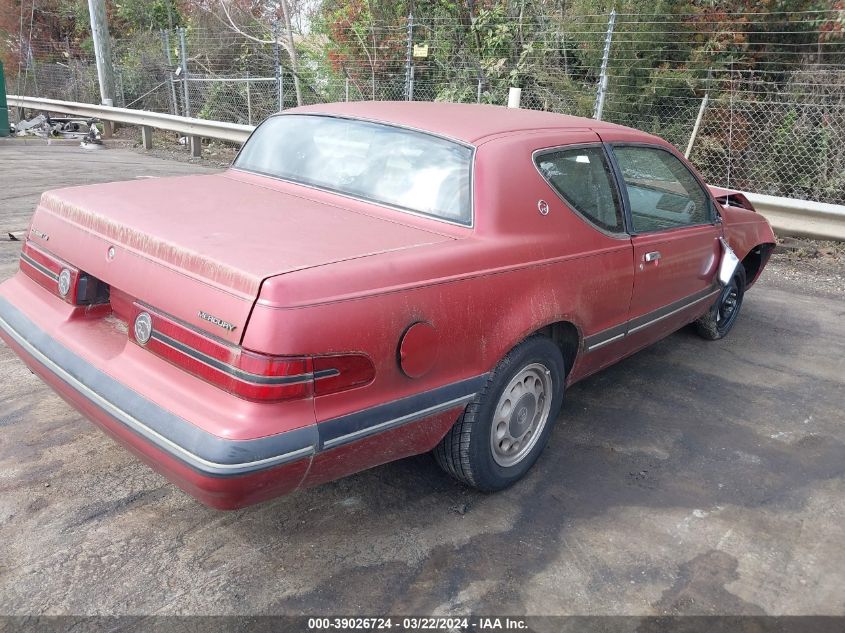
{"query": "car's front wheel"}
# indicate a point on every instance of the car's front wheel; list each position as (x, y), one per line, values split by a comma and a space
(505, 428)
(723, 315)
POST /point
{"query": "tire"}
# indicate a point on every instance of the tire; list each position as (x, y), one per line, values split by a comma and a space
(717, 322)
(471, 452)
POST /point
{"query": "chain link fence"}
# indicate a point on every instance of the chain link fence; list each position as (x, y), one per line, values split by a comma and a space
(773, 120)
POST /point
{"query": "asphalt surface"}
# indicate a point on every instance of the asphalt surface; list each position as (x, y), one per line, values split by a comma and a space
(691, 478)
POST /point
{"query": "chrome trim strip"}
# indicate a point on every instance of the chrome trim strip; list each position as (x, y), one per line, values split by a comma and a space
(607, 336)
(606, 341)
(39, 267)
(384, 426)
(382, 417)
(240, 374)
(675, 311)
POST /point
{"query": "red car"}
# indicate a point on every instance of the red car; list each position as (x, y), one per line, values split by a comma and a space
(370, 281)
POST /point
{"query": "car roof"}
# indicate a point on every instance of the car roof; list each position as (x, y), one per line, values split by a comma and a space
(467, 122)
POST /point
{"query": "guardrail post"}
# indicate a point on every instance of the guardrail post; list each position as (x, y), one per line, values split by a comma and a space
(147, 136)
(195, 143)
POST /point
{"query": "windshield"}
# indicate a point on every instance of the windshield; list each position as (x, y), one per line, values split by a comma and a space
(385, 164)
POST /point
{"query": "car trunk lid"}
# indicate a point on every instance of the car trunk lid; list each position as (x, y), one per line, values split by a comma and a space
(200, 246)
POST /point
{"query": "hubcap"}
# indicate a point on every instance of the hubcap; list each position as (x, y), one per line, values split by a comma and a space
(521, 414)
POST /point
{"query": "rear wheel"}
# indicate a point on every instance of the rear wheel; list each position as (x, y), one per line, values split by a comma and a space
(505, 428)
(720, 319)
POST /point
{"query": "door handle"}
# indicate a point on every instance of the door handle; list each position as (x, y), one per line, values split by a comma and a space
(653, 256)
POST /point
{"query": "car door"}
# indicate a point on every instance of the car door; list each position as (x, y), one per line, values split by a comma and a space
(675, 234)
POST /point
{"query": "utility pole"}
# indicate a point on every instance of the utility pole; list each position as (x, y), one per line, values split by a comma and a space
(102, 50)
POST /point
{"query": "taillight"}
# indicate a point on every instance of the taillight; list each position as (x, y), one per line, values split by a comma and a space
(49, 271)
(244, 373)
(62, 279)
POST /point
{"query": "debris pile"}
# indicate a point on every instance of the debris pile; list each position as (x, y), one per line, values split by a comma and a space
(45, 126)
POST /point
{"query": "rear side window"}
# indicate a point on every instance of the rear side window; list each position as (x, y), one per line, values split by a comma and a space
(582, 177)
(662, 192)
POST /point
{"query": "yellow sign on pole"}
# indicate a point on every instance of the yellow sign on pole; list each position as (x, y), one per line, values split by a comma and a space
(420, 50)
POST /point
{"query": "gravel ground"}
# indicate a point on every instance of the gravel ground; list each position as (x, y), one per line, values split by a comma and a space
(166, 145)
(809, 264)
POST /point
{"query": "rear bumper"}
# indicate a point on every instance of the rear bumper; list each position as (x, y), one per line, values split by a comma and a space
(222, 472)
(216, 470)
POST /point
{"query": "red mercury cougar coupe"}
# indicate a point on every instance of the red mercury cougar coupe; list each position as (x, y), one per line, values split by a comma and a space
(370, 281)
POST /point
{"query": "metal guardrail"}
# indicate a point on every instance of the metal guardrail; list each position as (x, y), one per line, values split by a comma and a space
(193, 129)
(801, 218)
(788, 216)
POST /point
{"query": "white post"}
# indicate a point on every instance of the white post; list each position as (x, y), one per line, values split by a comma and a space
(602, 90)
(697, 125)
(248, 101)
(184, 50)
(514, 97)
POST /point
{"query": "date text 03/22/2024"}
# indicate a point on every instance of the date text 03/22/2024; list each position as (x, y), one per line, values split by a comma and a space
(412, 624)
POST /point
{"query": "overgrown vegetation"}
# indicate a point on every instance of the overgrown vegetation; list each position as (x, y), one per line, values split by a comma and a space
(774, 69)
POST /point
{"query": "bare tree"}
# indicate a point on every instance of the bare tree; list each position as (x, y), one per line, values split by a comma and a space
(273, 10)
(291, 49)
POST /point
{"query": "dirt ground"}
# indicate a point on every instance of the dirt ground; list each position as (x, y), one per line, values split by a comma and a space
(691, 478)
(813, 264)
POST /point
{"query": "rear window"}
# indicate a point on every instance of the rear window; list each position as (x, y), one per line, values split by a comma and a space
(389, 165)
